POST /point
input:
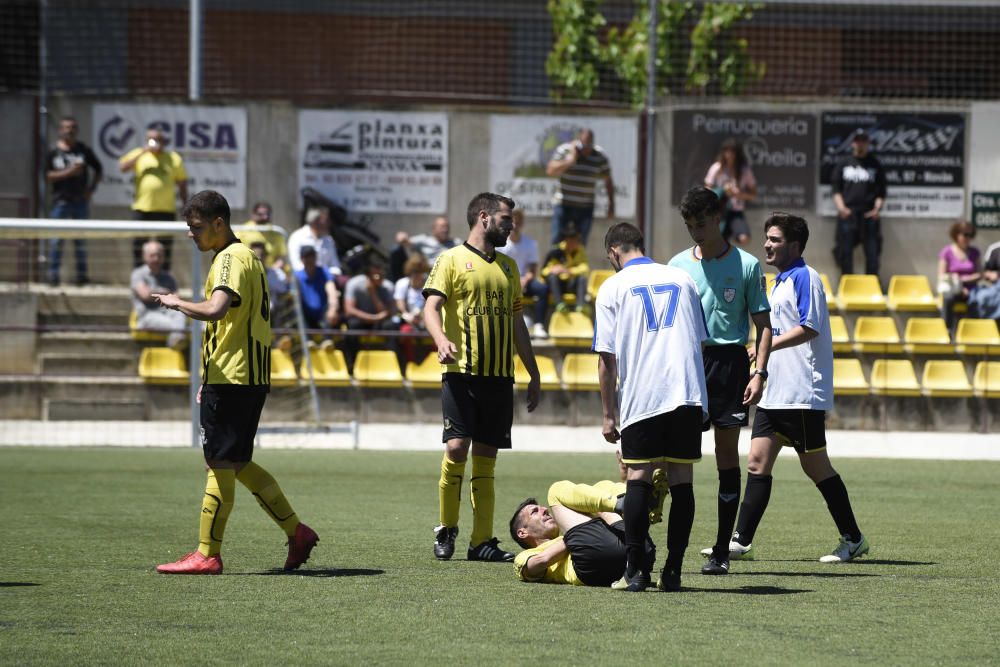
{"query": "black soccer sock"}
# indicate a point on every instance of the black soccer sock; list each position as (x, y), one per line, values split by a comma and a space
(679, 524)
(729, 504)
(637, 493)
(835, 494)
(755, 500)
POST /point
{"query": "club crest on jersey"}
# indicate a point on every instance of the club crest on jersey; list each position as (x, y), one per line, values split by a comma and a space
(468, 266)
(729, 294)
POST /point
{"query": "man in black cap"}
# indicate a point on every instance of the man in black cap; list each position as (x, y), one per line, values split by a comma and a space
(859, 194)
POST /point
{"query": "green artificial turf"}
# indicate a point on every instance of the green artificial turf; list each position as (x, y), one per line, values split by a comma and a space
(84, 528)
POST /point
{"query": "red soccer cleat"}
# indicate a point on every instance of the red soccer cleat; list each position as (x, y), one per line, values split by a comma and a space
(193, 563)
(300, 546)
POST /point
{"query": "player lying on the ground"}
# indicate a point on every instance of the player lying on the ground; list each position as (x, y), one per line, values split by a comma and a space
(579, 538)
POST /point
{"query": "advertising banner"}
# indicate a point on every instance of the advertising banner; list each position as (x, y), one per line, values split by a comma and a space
(521, 146)
(986, 210)
(923, 156)
(211, 141)
(376, 161)
(779, 146)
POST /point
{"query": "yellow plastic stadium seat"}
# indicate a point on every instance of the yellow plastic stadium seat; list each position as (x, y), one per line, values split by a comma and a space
(282, 369)
(977, 337)
(377, 368)
(579, 372)
(946, 378)
(838, 329)
(595, 280)
(877, 335)
(546, 372)
(426, 374)
(828, 288)
(986, 379)
(848, 378)
(141, 336)
(860, 292)
(894, 377)
(163, 365)
(927, 335)
(328, 366)
(911, 294)
(571, 329)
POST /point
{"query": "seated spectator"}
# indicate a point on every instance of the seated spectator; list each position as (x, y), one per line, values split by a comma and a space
(731, 178)
(369, 305)
(433, 244)
(315, 233)
(958, 269)
(524, 250)
(566, 270)
(277, 282)
(985, 301)
(410, 302)
(149, 279)
(317, 292)
(274, 242)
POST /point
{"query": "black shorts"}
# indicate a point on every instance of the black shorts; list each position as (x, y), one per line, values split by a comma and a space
(805, 430)
(727, 372)
(229, 417)
(674, 436)
(481, 408)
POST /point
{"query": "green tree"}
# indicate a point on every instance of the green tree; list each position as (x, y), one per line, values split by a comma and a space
(695, 44)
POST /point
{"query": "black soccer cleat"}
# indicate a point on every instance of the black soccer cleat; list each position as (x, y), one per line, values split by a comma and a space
(669, 581)
(637, 583)
(716, 565)
(490, 552)
(444, 542)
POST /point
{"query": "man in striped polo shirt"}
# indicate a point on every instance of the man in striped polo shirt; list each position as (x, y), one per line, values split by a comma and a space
(579, 165)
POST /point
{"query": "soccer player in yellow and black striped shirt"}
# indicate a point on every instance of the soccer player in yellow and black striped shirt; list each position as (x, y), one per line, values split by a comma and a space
(473, 313)
(236, 377)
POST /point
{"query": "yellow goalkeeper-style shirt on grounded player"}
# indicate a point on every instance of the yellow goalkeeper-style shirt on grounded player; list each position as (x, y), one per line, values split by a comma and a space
(560, 572)
(237, 348)
(482, 297)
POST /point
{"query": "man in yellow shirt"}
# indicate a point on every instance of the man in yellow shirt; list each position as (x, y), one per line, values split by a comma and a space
(579, 538)
(236, 378)
(158, 172)
(565, 270)
(276, 250)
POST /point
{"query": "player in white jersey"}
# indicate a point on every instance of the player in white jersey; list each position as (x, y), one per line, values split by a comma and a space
(792, 411)
(648, 334)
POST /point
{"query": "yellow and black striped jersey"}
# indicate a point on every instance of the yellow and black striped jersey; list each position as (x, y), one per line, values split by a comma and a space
(237, 348)
(482, 297)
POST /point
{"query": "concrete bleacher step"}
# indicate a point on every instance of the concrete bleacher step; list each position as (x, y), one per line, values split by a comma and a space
(87, 343)
(61, 363)
(94, 409)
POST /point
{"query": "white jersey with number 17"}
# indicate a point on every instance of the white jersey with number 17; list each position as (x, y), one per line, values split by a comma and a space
(649, 316)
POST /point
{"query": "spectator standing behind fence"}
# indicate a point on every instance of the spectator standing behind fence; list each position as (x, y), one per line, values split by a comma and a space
(566, 270)
(318, 292)
(409, 297)
(732, 180)
(958, 269)
(274, 242)
(579, 165)
(369, 305)
(315, 233)
(524, 250)
(859, 191)
(66, 168)
(159, 179)
(149, 280)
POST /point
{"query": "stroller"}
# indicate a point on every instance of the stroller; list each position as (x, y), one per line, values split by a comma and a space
(355, 242)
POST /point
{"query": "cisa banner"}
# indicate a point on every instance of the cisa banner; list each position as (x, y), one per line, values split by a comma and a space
(923, 155)
(210, 140)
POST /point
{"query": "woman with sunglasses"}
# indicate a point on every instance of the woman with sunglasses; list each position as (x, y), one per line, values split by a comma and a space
(959, 268)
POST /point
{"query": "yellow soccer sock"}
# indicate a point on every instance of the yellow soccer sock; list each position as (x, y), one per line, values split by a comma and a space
(450, 491)
(582, 497)
(483, 497)
(614, 488)
(269, 496)
(220, 492)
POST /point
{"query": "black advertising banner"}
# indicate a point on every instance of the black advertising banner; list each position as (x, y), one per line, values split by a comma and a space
(780, 147)
(986, 210)
(923, 155)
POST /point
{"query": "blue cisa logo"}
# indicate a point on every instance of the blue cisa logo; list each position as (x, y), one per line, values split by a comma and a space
(117, 135)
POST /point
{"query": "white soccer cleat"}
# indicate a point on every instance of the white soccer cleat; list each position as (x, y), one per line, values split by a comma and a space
(736, 551)
(847, 551)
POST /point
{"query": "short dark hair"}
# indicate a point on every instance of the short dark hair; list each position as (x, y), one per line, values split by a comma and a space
(516, 523)
(486, 201)
(262, 203)
(68, 119)
(625, 236)
(792, 227)
(698, 202)
(207, 205)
